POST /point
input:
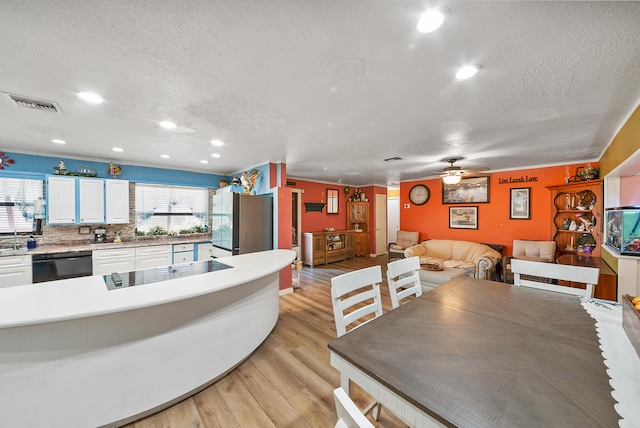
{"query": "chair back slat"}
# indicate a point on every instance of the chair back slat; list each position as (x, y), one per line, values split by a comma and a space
(582, 274)
(403, 279)
(349, 308)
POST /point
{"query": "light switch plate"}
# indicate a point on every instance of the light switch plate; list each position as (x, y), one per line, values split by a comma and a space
(407, 205)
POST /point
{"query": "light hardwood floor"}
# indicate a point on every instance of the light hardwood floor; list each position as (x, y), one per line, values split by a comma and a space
(288, 381)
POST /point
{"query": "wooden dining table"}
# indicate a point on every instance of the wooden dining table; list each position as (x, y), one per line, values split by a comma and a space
(477, 353)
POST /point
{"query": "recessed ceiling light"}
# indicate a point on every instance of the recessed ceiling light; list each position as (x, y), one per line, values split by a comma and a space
(165, 156)
(58, 141)
(117, 149)
(204, 161)
(467, 71)
(217, 143)
(90, 97)
(167, 124)
(432, 19)
(215, 155)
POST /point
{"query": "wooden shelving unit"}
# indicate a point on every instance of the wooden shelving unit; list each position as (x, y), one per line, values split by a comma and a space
(327, 247)
(570, 203)
(358, 217)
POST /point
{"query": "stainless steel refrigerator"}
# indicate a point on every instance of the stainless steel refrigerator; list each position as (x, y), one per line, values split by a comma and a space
(242, 223)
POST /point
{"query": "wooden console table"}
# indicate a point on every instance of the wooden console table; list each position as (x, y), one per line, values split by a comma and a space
(327, 247)
(607, 281)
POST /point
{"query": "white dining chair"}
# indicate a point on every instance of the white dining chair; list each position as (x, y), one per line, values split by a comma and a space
(349, 416)
(582, 274)
(403, 279)
(348, 306)
(355, 297)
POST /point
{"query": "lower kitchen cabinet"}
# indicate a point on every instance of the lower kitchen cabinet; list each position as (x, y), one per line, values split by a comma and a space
(153, 256)
(182, 253)
(203, 250)
(108, 261)
(15, 270)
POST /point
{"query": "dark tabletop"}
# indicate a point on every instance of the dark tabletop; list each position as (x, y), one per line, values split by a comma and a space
(476, 353)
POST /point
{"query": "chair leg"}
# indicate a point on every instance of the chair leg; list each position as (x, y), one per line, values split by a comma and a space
(375, 409)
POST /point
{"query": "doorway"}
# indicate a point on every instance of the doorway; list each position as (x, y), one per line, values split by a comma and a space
(381, 225)
(296, 222)
(393, 218)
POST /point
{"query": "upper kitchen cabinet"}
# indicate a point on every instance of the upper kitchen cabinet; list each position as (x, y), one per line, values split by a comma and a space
(91, 200)
(117, 197)
(61, 200)
(87, 201)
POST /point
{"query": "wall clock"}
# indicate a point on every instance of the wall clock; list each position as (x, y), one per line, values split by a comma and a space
(419, 194)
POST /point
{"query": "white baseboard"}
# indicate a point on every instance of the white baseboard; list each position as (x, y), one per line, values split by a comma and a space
(286, 291)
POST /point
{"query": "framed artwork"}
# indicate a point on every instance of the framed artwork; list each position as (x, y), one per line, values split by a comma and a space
(463, 217)
(332, 201)
(470, 190)
(520, 206)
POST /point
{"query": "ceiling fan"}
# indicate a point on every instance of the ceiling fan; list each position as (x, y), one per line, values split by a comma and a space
(454, 173)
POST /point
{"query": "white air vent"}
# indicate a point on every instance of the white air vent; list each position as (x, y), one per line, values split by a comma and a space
(32, 103)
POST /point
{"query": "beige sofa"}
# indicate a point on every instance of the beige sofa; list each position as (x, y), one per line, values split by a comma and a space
(477, 260)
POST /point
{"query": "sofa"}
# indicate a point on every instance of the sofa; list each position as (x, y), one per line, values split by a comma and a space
(477, 260)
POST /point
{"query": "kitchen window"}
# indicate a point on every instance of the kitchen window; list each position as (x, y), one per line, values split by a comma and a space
(162, 210)
(17, 204)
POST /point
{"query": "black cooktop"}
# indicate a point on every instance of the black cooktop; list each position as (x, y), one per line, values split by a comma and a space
(118, 280)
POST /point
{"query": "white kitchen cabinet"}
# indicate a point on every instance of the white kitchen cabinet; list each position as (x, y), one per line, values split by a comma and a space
(91, 201)
(183, 253)
(61, 200)
(153, 256)
(108, 261)
(203, 251)
(15, 270)
(117, 197)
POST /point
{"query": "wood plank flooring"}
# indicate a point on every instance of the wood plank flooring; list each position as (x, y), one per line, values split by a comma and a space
(288, 381)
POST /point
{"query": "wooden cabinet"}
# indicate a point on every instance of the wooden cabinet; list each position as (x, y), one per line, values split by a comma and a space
(358, 217)
(327, 247)
(577, 217)
(15, 270)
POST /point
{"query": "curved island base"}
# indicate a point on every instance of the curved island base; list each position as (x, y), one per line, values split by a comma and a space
(113, 368)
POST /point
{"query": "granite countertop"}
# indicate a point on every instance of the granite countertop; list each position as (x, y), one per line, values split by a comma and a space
(138, 241)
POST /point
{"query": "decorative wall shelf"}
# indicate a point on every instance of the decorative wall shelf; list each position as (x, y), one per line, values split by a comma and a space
(314, 206)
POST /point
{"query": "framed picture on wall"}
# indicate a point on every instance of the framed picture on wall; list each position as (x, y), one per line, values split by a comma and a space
(520, 206)
(463, 217)
(470, 190)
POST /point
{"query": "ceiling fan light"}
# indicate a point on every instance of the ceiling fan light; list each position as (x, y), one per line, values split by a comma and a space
(451, 179)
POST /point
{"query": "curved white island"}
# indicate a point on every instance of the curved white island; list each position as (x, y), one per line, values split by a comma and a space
(75, 354)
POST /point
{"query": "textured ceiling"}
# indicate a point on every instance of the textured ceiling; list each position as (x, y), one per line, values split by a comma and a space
(331, 88)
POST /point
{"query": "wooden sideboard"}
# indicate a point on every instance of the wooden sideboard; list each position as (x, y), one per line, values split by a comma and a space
(327, 247)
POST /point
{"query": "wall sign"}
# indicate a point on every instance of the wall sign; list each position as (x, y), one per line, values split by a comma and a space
(521, 179)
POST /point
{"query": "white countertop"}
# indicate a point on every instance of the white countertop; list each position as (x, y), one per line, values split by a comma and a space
(88, 296)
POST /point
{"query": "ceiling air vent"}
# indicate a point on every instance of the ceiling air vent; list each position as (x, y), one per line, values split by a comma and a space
(395, 158)
(34, 104)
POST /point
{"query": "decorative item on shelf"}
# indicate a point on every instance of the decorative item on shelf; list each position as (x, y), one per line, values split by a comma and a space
(347, 190)
(61, 169)
(236, 181)
(224, 182)
(573, 225)
(5, 161)
(249, 180)
(588, 173)
(114, 170)
(329, 229)
(566, 223)
(356, 195)
(86, 171)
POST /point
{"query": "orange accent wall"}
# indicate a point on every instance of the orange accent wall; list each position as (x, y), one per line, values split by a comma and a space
(317, 192)
(494, 224)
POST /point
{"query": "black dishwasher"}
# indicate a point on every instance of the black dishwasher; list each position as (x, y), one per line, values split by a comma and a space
(70, 264)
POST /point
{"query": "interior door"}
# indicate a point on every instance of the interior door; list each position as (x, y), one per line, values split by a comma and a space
(393, 218)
